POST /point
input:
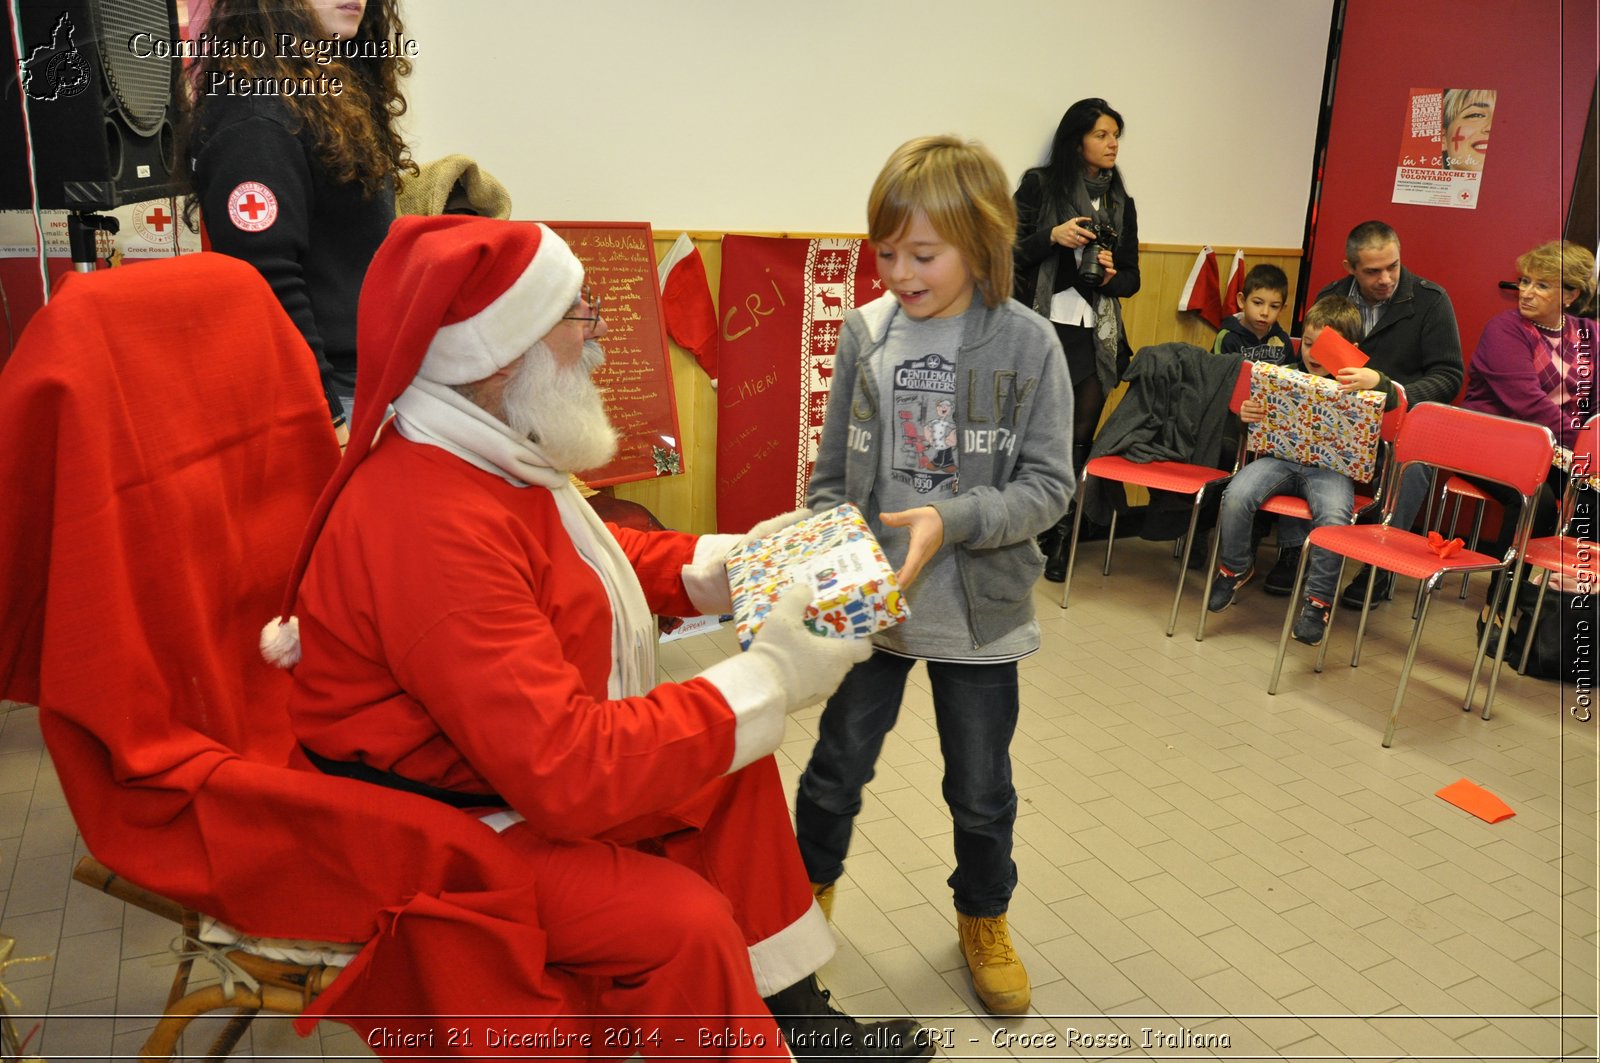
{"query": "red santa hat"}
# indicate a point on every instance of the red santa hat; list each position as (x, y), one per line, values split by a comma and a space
(451, 299)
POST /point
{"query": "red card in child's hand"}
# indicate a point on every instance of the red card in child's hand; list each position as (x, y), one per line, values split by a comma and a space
(1333, 352)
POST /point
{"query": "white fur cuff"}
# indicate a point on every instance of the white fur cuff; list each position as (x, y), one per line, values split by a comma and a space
(705, 578)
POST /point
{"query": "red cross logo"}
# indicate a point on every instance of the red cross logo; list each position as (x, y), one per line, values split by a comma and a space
(157, 220)
(252, 207)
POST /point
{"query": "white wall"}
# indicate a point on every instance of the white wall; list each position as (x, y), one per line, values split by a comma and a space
(775, 115)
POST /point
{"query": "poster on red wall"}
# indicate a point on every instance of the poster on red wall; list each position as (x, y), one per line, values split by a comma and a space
(1443, 146)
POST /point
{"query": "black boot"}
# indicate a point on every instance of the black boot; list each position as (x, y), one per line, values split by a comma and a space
(815, 1029)
(1050, 539)
(1055, 558)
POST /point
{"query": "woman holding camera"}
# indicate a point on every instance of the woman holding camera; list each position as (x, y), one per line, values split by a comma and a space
(1077, 256)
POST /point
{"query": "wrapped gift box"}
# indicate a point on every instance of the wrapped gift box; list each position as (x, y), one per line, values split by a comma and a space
(854, 592)
(1311, 422)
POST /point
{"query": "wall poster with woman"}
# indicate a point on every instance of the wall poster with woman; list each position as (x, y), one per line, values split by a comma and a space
(1443, 144)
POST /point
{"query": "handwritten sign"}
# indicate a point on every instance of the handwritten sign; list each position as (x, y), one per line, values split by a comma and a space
(620, 264)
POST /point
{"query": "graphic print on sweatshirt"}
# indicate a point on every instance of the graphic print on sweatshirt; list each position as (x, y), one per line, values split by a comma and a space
(924, 431)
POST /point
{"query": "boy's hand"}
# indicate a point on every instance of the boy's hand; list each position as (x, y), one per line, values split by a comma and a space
(1071, 232)
(927, 535)
(1252, 411)
(1356, 378)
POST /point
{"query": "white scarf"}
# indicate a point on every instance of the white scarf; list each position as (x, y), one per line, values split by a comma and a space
(436, 415)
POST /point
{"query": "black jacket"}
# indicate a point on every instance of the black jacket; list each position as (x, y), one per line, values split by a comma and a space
(1034, 246)
(1235, 337)
(1416, 342)
(1175, 409)
(322, 234)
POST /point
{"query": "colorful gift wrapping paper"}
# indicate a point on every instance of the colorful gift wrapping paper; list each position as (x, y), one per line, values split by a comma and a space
(854, 592)
(1311, 422)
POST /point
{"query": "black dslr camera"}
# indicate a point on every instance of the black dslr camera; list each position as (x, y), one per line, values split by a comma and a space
(1090, 271)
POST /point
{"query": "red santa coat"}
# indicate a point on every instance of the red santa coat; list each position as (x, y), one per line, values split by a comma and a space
(453, 635)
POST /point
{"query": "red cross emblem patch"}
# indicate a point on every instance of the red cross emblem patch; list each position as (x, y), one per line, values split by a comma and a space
(252, 207)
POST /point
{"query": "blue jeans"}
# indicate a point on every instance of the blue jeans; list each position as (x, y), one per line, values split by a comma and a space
(975, 709)
(1408, 503)
(1331, 496)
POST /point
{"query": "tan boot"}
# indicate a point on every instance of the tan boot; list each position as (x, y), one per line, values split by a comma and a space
(997, 971)
(823, 892)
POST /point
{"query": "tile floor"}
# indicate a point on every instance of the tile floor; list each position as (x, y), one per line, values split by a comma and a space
(1242, 876)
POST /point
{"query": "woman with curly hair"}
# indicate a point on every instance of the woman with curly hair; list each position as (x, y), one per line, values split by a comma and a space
(291, 137)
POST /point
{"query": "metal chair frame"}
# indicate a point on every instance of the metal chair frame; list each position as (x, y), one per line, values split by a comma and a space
(1501, 449)
(1561, 553)
(1176, 476)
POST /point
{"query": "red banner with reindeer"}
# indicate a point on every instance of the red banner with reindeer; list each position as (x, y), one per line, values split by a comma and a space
(781, 303)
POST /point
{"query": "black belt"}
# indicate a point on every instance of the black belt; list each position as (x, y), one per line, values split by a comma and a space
(346, 769)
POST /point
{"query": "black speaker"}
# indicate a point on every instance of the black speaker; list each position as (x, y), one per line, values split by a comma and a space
(99, 81)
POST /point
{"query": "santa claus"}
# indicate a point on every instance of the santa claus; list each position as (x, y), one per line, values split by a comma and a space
(469, 630)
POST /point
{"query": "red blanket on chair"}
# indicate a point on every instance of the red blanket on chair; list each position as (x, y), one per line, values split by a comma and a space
(162, 439)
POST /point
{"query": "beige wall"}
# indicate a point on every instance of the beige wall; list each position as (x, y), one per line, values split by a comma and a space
(689, 502)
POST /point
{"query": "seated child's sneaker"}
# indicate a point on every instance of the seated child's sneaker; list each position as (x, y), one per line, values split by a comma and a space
(1280, 578)
(1312, 624)
(1223, 587)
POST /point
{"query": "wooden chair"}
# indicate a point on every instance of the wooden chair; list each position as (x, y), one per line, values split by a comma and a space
(259, 983)
(1500, 449)
(1177, 477)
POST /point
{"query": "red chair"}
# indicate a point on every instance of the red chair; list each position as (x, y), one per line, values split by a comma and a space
(1455, 491)
(1500, 449)
(1298, 508)
(1571, 558)
(1175, 476)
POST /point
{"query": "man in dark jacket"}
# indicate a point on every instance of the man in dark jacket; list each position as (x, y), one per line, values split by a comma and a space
(1411, 338)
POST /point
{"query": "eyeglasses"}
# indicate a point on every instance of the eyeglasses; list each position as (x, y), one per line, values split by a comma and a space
(586, 297)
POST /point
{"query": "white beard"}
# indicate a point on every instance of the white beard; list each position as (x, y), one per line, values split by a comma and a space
(560, 410)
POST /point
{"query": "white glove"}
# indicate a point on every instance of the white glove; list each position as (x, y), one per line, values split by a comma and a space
(810, 666)
(769, 526)
(706, 576)
(786, 668)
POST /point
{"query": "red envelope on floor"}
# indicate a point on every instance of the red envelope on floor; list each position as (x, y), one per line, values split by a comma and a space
(1333, 352)
(1475, 799)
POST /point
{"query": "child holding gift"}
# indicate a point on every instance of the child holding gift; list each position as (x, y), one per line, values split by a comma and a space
(1329, 493)
(944, 344)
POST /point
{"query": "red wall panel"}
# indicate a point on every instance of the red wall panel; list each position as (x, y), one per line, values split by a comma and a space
(1539, 55)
